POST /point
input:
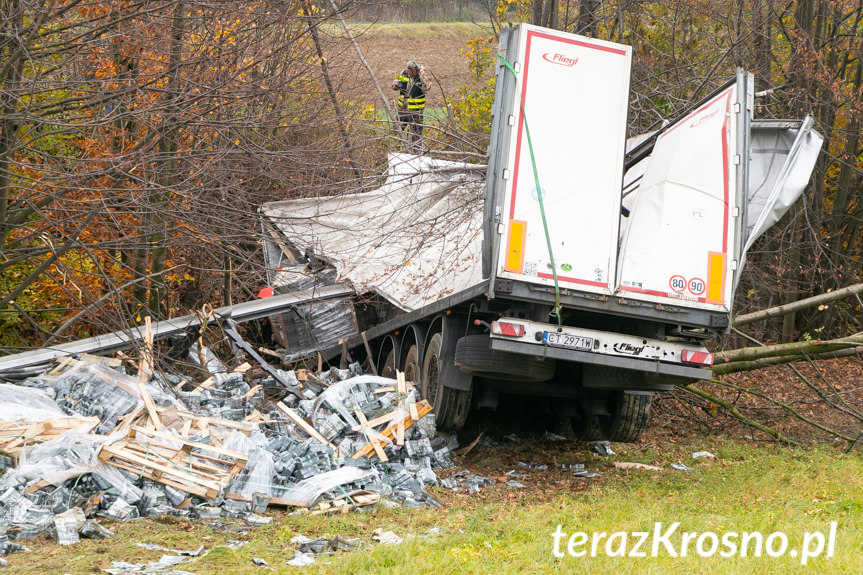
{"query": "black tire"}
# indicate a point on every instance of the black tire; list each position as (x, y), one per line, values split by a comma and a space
(473, 356)
(630, 414)
(624, 414)
(451, 406)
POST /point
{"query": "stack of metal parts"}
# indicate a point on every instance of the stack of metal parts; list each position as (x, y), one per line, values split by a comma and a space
(215, 450)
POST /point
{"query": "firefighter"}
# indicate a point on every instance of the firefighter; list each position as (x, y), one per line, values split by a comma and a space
(411, 102)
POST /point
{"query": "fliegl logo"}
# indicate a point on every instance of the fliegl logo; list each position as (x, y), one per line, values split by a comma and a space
(559, 59)
(628, 348)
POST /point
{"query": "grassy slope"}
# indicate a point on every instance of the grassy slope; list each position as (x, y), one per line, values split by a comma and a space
(504, 530)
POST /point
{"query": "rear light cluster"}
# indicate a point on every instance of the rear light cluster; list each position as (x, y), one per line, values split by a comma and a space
(507, 328)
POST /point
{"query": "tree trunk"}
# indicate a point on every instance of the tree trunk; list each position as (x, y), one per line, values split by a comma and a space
(8, 106)
(334, 101)
(167, 162)
(763, 38)
(807, 303)
(587, 21)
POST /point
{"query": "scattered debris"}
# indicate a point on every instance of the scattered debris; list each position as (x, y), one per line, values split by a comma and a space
(516, 484)
(680, 467)
(601, 447)
(506, 442)
(301, 559)
(85, 439)
(586, 474)
(463, 479)
(337, 543)
(704, 454)
(166, 563)
(387, 537)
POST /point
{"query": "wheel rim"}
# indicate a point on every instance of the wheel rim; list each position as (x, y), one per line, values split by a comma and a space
(431, 381)
(388, 368)
(412, 368)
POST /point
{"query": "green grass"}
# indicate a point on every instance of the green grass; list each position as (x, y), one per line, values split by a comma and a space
(504, 530)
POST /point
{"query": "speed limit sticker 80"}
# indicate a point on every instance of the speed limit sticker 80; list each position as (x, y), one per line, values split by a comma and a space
(679, 284)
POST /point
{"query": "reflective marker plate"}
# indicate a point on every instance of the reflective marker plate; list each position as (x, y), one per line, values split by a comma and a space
(568, 341)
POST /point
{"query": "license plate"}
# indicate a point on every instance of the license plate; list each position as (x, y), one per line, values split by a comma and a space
(568, 341)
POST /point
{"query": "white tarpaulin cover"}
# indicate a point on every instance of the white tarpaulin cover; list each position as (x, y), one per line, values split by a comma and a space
(781, 161)
(415, 240)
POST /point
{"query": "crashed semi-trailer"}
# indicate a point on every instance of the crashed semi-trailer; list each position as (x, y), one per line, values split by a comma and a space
(575, 265)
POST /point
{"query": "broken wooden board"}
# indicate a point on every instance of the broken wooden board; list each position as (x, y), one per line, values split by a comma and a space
(16, 435)
(423, 408)
(369, 434)
(187, 465)
(385, 418)
(305, 425)
(171, 416)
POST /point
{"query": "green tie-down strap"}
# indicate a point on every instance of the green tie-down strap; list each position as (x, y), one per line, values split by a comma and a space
(556, 311)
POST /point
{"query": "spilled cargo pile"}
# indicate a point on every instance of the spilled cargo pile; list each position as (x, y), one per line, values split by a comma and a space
(85, 440)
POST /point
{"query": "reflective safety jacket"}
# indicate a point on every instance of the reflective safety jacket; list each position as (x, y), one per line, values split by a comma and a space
(412, 93)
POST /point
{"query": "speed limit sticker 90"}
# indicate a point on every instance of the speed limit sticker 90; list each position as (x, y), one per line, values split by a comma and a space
(696, 286)
(677, 283)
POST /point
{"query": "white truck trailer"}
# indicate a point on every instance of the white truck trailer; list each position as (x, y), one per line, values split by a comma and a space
(574, 265)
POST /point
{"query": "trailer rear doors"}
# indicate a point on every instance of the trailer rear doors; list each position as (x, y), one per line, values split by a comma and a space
(559, 137)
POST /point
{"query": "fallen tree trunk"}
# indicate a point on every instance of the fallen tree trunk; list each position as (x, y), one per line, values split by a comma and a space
(807, 303)
(797, 348)
(736, 366)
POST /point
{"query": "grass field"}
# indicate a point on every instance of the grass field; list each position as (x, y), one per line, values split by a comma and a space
(507, 530)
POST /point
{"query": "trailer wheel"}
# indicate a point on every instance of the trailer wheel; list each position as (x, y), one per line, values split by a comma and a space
(388, 366)
(473, 356)
(451, 406)
(411, 366)
(628, 416)
(626, 413)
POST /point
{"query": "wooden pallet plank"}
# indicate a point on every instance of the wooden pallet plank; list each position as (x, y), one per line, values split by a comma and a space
(423, 408)
(304, 425)
(364, 424)
(191, 444)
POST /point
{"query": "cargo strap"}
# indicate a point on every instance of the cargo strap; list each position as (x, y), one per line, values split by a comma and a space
(556, 311)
